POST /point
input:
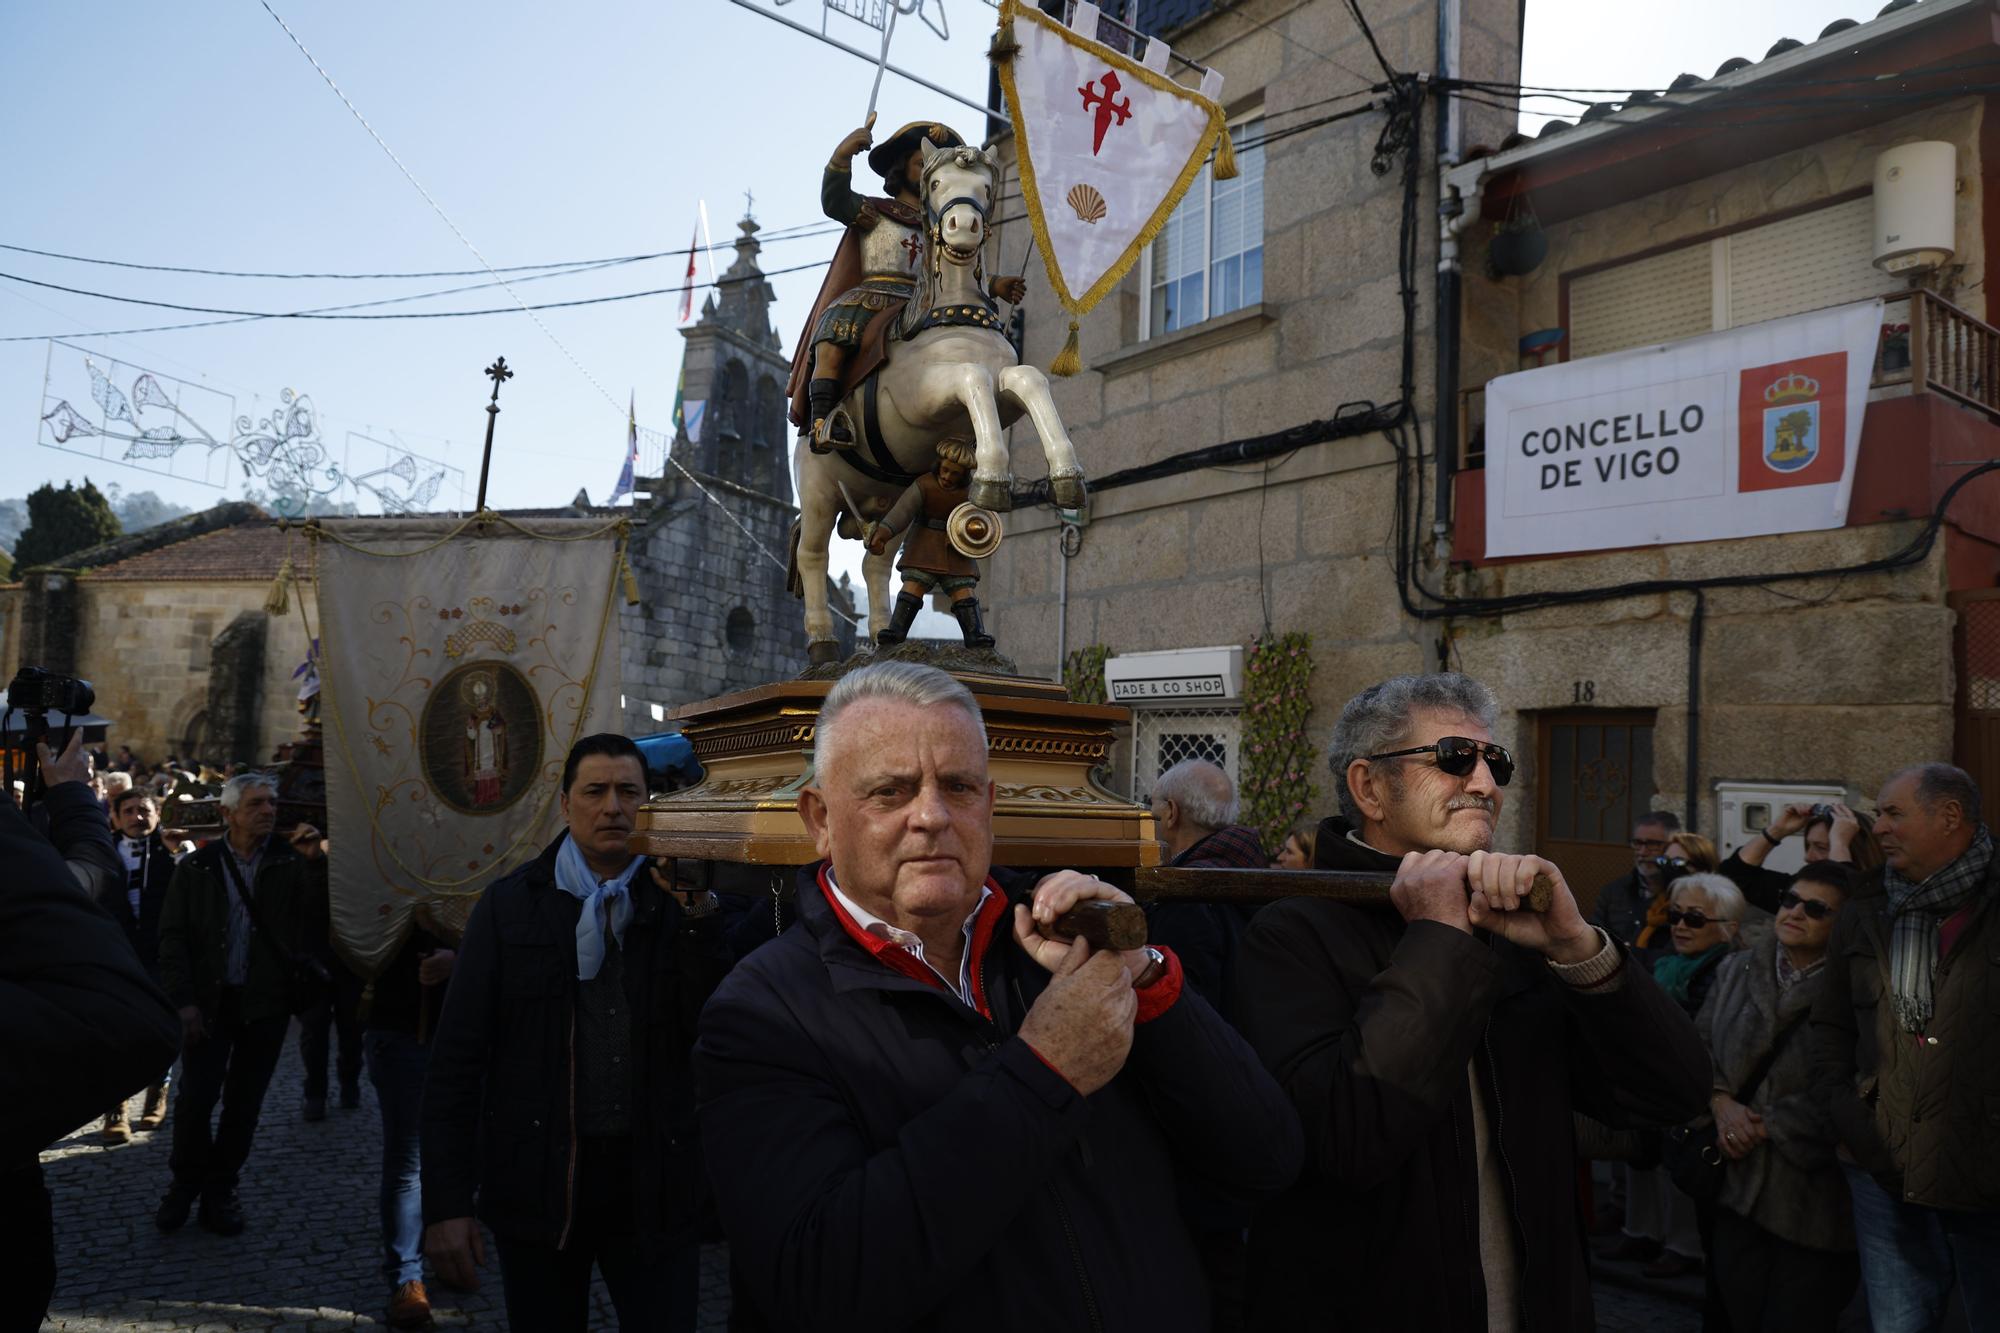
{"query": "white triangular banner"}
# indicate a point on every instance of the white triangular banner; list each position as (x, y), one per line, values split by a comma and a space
(1107, 148)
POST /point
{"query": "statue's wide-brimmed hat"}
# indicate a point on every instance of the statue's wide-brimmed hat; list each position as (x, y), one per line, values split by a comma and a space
(888, 157)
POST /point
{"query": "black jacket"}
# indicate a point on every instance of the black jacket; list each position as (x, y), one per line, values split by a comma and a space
(1368, 1024)
(885, 1157)
(81, 1025)
(143, 930)
(502, 1077)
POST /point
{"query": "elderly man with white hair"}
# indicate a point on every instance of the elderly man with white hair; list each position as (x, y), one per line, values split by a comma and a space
(241, 917)
(921, 1108)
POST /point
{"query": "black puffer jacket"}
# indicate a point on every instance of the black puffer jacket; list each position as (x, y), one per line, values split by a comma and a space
(1368, 1024)
(502, 1079)
(81, 1024)
(886, 1157)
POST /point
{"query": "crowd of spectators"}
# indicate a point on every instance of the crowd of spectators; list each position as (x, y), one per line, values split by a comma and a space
(1385, 1111)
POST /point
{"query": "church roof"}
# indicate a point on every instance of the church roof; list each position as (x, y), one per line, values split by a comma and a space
(250, 550)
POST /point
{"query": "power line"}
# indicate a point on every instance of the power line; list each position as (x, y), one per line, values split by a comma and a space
(804, 232)
(547, 332)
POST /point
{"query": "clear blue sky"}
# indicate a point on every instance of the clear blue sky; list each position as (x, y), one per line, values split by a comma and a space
(198, 135)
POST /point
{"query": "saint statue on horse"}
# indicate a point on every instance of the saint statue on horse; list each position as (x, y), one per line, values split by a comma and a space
(874, 274)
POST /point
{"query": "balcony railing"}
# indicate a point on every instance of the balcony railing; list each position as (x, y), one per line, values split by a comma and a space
(1939, 348)
(1927, 344)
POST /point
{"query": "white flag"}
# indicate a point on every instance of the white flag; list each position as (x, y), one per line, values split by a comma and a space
(1107, 146)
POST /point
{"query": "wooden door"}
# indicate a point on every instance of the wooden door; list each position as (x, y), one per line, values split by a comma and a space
(1976, 730)
(1594, 775)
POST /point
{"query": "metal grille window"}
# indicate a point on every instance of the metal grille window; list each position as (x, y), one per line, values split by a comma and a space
(1163, 737)
(1209, 258)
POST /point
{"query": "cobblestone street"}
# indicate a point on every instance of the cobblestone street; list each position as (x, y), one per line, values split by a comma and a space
(311, 1258)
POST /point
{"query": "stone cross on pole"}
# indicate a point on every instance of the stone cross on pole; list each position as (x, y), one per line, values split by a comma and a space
(499, 374)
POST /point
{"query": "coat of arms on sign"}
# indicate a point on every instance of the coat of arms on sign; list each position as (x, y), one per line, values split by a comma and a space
(1791, 421)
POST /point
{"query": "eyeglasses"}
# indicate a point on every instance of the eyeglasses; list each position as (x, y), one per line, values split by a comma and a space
(1815, 909)
(1458, 756)
(1671, 862)
(1694, 916)
(1643, 844)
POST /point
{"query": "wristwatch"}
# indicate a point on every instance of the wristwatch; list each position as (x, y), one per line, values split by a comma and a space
(1765, 834)
(1156, 967)
(695, 905)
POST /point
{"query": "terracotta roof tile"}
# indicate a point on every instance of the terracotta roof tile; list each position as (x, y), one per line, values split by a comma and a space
(243, 551)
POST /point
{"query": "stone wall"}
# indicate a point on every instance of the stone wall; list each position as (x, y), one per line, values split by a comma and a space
(1805, 681)
(714, 615)
(149, 648)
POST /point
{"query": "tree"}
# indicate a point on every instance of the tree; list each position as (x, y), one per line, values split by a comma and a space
(139, 510)
(13, 521)
(63, 522)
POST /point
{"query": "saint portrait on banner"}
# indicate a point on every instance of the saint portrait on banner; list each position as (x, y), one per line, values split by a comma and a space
(482, 738)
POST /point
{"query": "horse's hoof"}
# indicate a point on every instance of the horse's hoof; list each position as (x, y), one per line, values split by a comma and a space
(994, 493)
(1068, 491)
(823, 652)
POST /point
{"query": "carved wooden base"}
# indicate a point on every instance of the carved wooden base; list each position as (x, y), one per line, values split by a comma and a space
(756, 750)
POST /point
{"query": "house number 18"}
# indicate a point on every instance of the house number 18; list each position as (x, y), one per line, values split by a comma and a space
(1585, 692)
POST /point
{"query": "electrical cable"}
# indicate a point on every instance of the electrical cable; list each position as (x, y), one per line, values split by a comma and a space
(547, 332)
(807, 232)
(335, 312)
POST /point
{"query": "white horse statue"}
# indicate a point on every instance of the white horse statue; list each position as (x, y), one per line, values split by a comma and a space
(951, 374)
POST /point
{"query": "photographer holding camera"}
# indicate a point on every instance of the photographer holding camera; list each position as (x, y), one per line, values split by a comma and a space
(236, 946)
(80, 1022)
(1832, 833)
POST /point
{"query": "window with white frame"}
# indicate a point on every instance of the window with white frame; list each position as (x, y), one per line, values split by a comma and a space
(1209, 258)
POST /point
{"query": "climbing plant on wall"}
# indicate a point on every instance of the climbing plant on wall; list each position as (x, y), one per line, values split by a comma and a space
(1083, 674)
(1276, 764)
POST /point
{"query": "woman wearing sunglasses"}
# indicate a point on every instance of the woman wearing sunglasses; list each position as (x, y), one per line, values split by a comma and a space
(1783, 1252)
(1702, 915)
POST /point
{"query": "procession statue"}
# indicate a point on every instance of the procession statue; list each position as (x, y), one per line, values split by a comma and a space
(938, 548)
(905, 350)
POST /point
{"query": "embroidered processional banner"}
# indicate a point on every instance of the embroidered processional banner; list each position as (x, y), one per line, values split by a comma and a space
(1107, 145)
(459, 662)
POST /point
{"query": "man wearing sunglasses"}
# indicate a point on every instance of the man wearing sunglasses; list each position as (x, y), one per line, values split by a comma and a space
(1436, 1045)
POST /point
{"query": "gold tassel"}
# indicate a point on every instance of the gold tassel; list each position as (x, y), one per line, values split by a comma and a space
(1069, 360)
(631, 584)
(1225, 158)
(279, 600)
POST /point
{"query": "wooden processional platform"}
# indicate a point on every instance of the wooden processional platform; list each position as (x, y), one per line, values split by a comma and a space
(755, 749)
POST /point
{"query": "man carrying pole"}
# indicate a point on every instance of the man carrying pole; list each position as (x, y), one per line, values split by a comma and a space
(1435, 1044)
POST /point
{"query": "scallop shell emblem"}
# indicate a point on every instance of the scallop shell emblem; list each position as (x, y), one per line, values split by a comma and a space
(1087, 202)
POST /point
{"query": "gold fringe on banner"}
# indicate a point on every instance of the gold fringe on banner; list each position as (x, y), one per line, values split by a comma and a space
(1225, 158)
(278, 601)
(1070, 359)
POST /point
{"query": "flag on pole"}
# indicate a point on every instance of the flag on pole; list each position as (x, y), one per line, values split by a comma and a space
(624, 486)
(688, 413)
(687, 281)
(1108, 145)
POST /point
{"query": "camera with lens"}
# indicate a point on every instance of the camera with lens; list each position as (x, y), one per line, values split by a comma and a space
(1821, 813)
(37, 693)
(34, 693)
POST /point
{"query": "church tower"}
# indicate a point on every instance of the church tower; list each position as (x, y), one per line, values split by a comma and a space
(714, 613)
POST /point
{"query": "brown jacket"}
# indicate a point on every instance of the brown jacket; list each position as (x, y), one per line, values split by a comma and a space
(922, 513)
(1919, 1111)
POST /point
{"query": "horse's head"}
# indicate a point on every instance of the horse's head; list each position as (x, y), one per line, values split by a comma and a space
(958, 198)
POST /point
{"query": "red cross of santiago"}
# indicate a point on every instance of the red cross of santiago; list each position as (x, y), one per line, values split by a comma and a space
(1107, 108)
(912, 247)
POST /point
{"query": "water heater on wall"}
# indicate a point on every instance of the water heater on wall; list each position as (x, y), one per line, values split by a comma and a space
(1916, 201)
